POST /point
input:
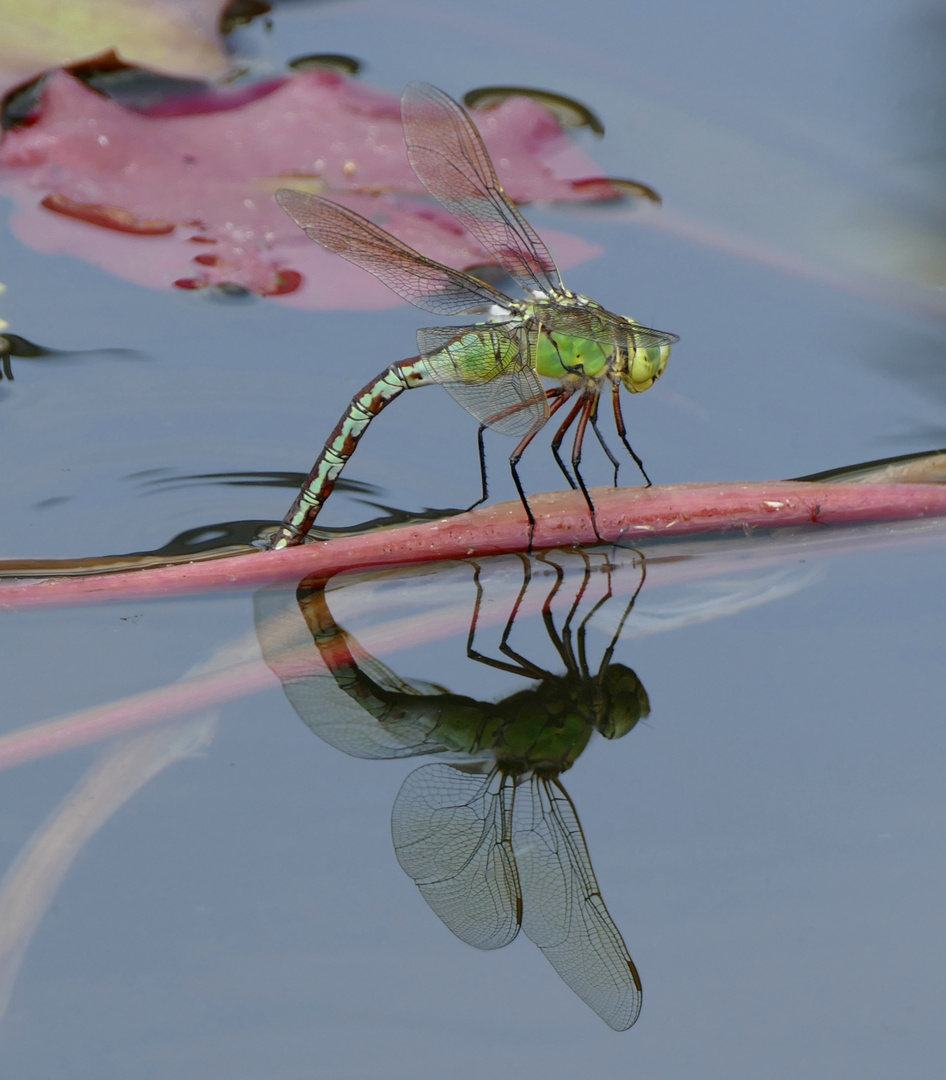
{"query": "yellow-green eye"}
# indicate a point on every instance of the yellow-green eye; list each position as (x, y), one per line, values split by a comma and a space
(646, 368)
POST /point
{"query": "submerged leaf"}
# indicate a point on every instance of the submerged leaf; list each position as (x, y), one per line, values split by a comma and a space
(178, 37)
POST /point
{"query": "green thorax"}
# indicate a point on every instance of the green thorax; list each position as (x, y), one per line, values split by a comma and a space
(542, 729)
(560, 355)
(578, 338)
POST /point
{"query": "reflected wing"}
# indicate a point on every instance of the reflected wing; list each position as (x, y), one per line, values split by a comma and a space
(344, 715)
(484, 369)
(420, 281)
(450, 160)
(357, 704)
(342, 694)
(562, 909)
(451, 832)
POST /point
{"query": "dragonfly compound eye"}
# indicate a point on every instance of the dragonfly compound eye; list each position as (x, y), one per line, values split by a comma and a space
(620, 702)
(646, 367)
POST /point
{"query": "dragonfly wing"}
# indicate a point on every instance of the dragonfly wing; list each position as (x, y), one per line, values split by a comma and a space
(340, 709)
(487, 370)
(447, 154)
(642, 337)
(422, 282)
(562, 909)
(601, 325)
(451, 832)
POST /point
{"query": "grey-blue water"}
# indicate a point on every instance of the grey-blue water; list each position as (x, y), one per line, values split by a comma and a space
(769, 841)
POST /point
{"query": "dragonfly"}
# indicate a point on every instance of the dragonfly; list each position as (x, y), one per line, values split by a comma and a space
(491, 837)
(492, 368)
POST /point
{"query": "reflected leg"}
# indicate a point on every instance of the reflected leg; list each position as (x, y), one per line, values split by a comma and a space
(523, 667)
(609, 651)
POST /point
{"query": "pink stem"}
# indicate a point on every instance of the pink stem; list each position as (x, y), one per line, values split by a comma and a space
(625, 515)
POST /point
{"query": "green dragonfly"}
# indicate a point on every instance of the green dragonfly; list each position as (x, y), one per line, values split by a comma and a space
(491, 368)
(492, 839)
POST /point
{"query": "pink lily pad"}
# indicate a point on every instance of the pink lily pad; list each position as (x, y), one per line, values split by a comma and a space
(183, 196)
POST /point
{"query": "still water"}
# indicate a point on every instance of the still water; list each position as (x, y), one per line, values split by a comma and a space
(222, 898)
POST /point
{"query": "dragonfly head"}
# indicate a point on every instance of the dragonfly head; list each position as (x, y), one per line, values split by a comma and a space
(645, 367)
(620, 701)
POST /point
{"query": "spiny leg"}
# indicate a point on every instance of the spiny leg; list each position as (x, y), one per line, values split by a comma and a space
(523, 588)
(547, 616)
(604, 446)
(583, 627)
(588, 405)
(576, 604)
(504, 646)
(622, 430)
(470, 651)
(481, 447)
(559, 438)
(609, 651)
(523, 667)
(516, 456)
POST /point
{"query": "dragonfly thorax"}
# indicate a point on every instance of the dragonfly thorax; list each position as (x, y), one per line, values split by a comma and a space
(562, 356)
(579, 341)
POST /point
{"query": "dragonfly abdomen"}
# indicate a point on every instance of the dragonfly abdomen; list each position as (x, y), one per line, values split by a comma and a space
(364, 407)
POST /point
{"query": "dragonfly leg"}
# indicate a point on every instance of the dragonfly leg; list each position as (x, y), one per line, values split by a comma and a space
(527, 667)
(548, 617)
(514, 459)
(560, 436)
(588, 404)
(622, 430)
(481, 447)
(504, 646)
(516, 456)
(319, 484)
(571, 663)
(609, 651)
(583, 625)
(523, 666)
(604, 446)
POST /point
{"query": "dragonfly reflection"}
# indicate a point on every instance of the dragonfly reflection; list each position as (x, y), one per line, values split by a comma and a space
(492, 839)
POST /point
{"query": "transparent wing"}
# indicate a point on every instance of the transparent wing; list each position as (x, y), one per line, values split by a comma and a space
(562, 909)
(642, 337)
(598, 324)
(488, 370)
(451, 832)
(447, 154)
(422, 282)
(342, 710)
(354, 702)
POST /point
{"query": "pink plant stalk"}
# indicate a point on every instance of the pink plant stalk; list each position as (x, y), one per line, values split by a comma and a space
(626, 516)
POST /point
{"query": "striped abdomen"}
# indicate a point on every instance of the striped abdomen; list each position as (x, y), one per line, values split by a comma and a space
(364, 407)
